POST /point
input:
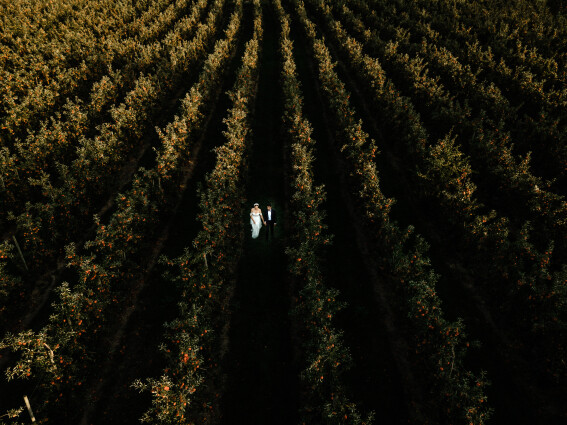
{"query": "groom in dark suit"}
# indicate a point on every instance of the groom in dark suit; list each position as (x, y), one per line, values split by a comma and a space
(269, 220)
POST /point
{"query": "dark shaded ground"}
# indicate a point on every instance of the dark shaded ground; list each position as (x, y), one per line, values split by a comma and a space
(262, 382)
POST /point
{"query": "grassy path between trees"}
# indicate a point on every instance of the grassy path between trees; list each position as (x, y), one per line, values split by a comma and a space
(261, 383)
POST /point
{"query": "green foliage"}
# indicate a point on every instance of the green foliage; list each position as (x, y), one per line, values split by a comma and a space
(470, 94)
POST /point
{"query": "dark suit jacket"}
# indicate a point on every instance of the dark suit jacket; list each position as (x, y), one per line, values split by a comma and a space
(265, 213)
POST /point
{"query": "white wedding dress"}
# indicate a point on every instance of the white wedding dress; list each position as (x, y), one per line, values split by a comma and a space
(256, 224)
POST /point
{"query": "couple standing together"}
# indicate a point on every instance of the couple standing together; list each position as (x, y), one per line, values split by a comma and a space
(257, 217)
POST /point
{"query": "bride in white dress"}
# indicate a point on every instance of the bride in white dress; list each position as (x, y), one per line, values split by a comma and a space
(256, 220)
